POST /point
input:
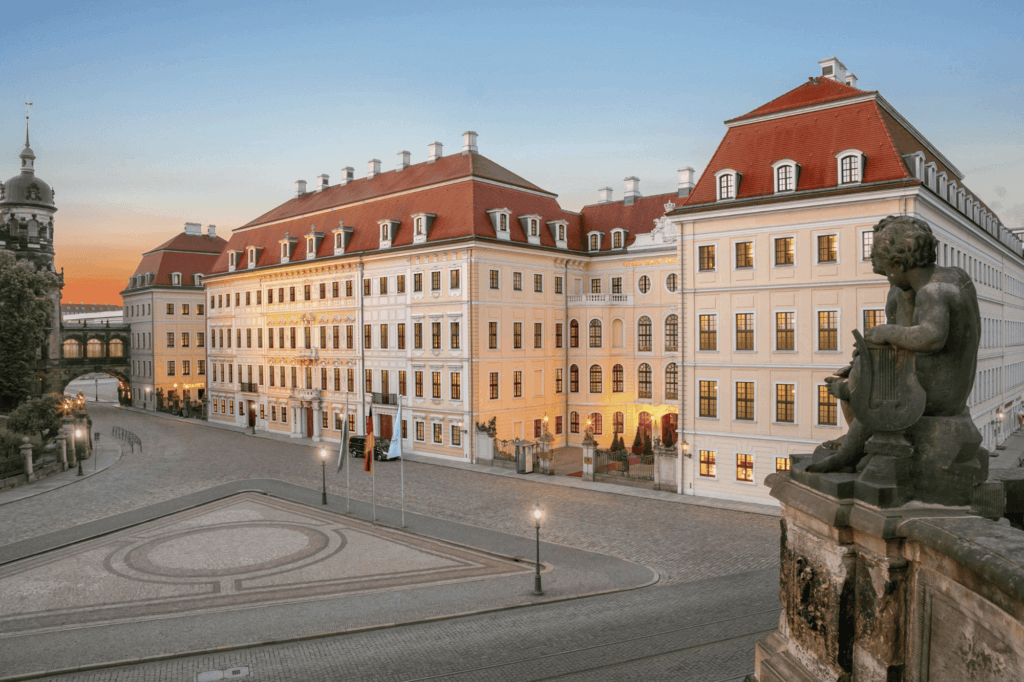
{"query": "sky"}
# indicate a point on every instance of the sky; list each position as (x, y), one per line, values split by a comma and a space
(146, 118)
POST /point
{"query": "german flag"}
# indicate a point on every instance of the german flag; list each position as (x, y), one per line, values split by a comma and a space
(368, 448)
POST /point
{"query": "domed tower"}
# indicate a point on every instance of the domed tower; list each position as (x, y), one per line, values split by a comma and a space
(26, 230)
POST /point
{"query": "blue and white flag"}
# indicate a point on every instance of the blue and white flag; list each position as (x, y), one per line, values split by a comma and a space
(343, 448)
(395, 451)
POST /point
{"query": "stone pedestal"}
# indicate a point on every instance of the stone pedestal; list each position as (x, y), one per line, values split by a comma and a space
(63, 444)
(26, 456)
(589, 448)
(867, 593)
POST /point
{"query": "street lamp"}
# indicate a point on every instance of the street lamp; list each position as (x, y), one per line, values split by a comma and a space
(323, 462)
(537, 513)
(78, 434)
(686, 449)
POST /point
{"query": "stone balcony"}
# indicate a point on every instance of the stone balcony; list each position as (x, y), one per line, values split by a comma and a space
(601, 299)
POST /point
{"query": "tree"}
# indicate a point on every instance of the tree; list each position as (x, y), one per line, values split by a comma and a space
(25, 314)
(39, 415)
(648, 450)
(638, 440)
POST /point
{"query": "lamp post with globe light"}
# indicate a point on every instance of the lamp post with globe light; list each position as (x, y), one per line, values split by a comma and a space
(323, 463)
(78, 434)
(537, 514)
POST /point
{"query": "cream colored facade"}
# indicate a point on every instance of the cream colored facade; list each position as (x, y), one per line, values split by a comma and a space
(760, 433)
(168, 343)
(495, 340)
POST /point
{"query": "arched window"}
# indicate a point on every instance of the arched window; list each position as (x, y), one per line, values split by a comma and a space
(116, 348)
(574, 422)
(643, 379)
(672, 382)
(618, 422)
(72, 349)
(596, 381)
(672, 333)
(574, 379)
(618, 379)
(597, 423)
(574, 334)
(643, 339)
(672, 282)
(595, 333)
(94, 348)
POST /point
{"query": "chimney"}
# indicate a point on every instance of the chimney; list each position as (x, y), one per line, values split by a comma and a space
(434, 152)
(686, 183)
(194, 228)
(403, 160)
(300, 187)
(346, 175)
(632, 190)
(604, 195)
(211, 231)
(469, 143)
(322, 182)
(851, 80)
(373, 168)
(833, 69)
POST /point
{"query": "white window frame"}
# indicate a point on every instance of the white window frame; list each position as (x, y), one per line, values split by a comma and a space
(775, 175)
(838, 309)
(718, 400)
(176, 279)
(839, 410)
(736, 178)
(700, 477)
(814, 245)
(756, 401)
(860, 243)
(775, 397)
(733, 314)
(732, 253)
(735, 461)
(775, 335)
(592, 234)
(718, 333)
(718, 257)
(776, 237)
(861, 163)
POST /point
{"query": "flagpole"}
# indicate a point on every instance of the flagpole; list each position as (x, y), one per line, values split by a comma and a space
(373, 490)
(401, 460)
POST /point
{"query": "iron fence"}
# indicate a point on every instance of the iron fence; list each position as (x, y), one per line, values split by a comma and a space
(624, 464)
(127, 437)
(505, 450)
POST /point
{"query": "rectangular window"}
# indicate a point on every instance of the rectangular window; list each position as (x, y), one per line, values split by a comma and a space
(867, 242)
(368, 381)
(385, 381)
(336, 336)
(185, 340)
(184, 308)
(419, 431)
(367, 335)
(200, 309)
(337, 379)
(558, 424)
(383, 336)
(707, 463)
(745, 468)
(558, 335)
(334, 290)
(828, 330)
(744, 255)
(785, 331)
(517, 281)
(383, 286)
(400, 284)
(616, 285)
(170, 339)
(785, 395)
(435, 335)
(186, 368)
(493, 385)
(745, 400)
(781, 464)
(417, 335)
(170, 368)
(827, 415)
(307, 340)
(418, 379)
(248, 298)
(538, 283)
(706, 259)
(170, 308)
(291, 294)
(709, 332)
(435, 384)
(456, 435)
(456, 385)
(784, 254)
(350, 380)
(873, 318)
(558, 380)
(350, 336)
(292, 335)
(538, 334)
(493, 279)
(595, 286)
(827, 248)
(402, 383)
(456, 340)
(517, 384)
(366, 286)
(348, 288)
(455, 279)
(401, 336)
(708, 398)
(744, 331)
(201, 367)
(517, 335)
(558, 285)
(435, 280)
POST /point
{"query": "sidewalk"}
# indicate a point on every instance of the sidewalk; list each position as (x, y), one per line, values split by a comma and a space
(1011, 457)
(105, 455)
(564, 481)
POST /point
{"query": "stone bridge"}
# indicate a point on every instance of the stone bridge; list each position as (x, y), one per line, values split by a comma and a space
(92, 347)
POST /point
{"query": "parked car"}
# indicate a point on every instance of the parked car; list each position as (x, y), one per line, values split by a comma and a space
(356, 444)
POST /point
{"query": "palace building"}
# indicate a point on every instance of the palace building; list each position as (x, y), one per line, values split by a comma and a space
(165, 306)
(775, 253)
(458, 288)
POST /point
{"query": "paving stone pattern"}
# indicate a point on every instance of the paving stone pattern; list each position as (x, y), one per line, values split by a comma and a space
(682, 542)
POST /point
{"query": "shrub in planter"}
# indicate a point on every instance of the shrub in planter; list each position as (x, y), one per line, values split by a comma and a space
(638, 442)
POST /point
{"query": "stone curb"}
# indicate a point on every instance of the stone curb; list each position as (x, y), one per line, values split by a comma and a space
(656, 577)
(85, 474)
(766, 509)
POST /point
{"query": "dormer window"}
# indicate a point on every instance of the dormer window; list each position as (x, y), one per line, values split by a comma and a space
(499, 220)
(561, 233)
(850, 167)
(727, 183)
(534, 228)
(342, 236)
(618, 239)
(594, 241)
(197, 280)
(176, 279)
(786, 175)
(531, 227)
(419, 227)
(388, 231)
(422, 222)
(252, 254)
(287, 247)
(558, 230)
(232, 259)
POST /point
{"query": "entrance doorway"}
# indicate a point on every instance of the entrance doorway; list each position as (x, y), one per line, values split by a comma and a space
(252, 414)
(385, 426)
(645, 425)
(669, 424)
(309, 423)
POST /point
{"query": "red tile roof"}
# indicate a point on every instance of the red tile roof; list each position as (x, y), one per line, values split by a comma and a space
(445, 169)
(814, 91)
(812, 139)
(637, 219)
(192, 242)
(185, 253)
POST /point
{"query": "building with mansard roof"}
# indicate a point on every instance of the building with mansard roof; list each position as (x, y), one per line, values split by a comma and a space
(460, 289)
(775, 254)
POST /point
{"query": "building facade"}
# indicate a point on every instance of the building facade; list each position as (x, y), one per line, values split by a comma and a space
(165, 307)
(775, 253)
(458, 288)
